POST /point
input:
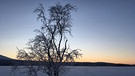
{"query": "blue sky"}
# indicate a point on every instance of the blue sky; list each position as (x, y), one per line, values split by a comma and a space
(103, 29)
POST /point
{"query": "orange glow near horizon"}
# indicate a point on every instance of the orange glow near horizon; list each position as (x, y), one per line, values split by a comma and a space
(90, 56)
(102, 59)
(109, 61)
(86, 58)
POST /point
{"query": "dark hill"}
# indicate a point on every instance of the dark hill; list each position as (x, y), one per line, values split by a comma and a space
(5, 61)
(4, 58)
(99, 64)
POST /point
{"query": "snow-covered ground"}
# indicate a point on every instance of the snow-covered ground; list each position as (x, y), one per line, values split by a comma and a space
(82, 71)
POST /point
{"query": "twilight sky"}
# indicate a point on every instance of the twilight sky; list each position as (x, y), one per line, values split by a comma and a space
(103, 29)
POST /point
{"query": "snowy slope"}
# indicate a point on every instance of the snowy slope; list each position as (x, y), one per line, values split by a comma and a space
(79, 71)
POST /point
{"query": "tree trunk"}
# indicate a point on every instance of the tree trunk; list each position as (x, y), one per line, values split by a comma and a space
(56, 73)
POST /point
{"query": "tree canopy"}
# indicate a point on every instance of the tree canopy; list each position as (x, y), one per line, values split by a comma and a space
(50, 44)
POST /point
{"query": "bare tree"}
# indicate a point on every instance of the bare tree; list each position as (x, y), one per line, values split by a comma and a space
(49, 47)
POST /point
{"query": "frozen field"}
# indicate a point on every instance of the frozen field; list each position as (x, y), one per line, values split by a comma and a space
(83, 71)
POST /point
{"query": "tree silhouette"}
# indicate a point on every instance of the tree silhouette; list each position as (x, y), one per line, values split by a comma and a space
(50, 44)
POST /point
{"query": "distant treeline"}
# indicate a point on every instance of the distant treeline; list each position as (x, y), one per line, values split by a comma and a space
(36, 63)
